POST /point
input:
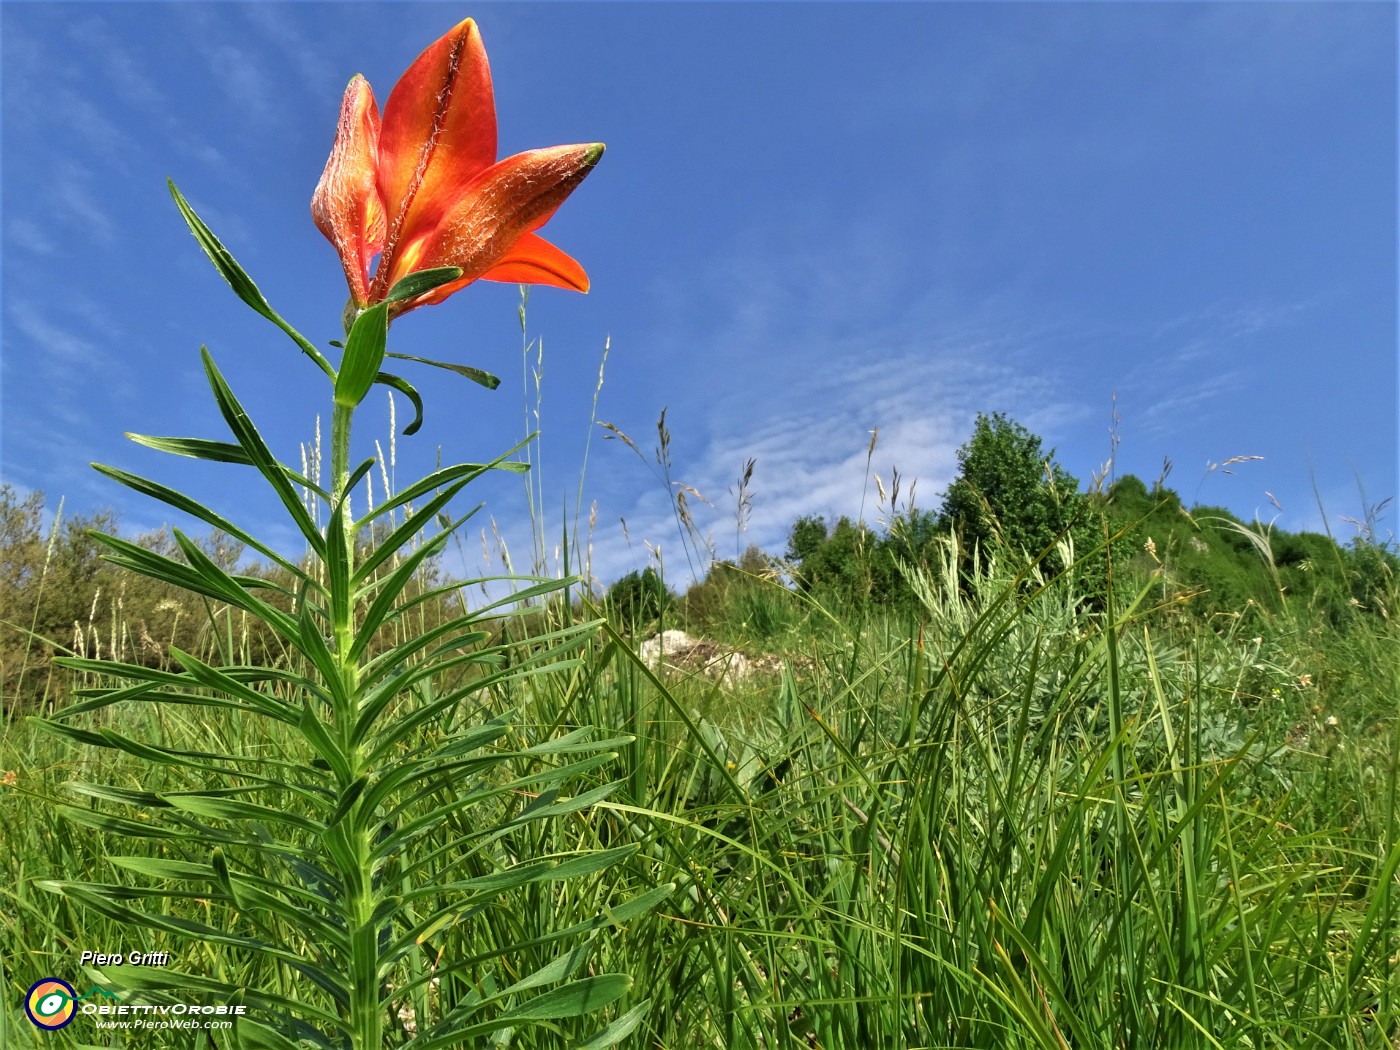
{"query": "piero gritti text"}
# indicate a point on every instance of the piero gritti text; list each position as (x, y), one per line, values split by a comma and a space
(128, 959)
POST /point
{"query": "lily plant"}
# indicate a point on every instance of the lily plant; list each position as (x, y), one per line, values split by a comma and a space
(336, 866)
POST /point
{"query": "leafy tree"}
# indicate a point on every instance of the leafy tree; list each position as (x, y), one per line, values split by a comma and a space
(830, 560)
(1011, 496)
(51, 576)
(806, 538)
(854, 563)
(639, 597)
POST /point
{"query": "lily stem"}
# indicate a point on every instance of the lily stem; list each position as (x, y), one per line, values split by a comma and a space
(356, 864)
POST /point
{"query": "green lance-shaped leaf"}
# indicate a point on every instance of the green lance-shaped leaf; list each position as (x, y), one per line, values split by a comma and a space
(108, 738)
(134, 829)
(560, 969)
(546, 806)
(217, 452)
(147, 679)
(476, 375)
(389, 591)
(570, 1000)
(239, 280)
(183, 503)
(219, 863)
(197, 448)
(609, 917)
(358, 474)
(377, 699)
(219, 680)
(403, 773)
(316, 734)
(532, 871)
(149, 799)
(236, 886)
(439, 478)
(411, 526)
(421, 282)
(315, 647)
(388, 736)
(338, 556)
(261, 456)
(254, 1036)
(250, 897)
(348, 799)
(364, 352)
(408, 390)
(394, 657)
(150, 692)
(618, 1030)
(167, 570)
(158, 868)
(234, 811)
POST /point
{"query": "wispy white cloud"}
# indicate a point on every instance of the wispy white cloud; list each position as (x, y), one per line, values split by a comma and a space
(284, 34)
(135, 88)
(76, 203)
(1231, 320)
(1280, 52)
(811, 444)
(132, 85)
(45, 94)
(239, 72)
(792, 356)
(1201, 356)
(27, 235)
(809, 434)
(66, 352)
(51, 339)
(1171, 414)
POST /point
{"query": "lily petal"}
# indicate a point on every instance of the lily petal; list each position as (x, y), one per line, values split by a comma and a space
(512, 198)
(346, 205)
(533, 260)
(439, 132)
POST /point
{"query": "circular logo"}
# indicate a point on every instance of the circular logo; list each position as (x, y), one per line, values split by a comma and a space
(49, 1003)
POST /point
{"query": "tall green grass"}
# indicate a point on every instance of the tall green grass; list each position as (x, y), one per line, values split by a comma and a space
(998, 821)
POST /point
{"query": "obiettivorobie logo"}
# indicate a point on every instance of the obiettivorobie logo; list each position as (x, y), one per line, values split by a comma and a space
(52, 1003)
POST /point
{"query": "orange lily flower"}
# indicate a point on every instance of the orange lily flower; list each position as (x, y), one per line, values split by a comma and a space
(423, 189)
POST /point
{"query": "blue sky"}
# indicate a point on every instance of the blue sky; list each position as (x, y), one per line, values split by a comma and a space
(812, 220)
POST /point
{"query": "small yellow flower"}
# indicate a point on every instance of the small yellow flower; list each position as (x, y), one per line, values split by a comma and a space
(8, 778)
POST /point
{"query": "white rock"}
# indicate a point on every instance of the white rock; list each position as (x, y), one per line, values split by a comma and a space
(678, 651)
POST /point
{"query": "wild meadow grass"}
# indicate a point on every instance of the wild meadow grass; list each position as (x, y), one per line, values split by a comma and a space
(999, 821)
